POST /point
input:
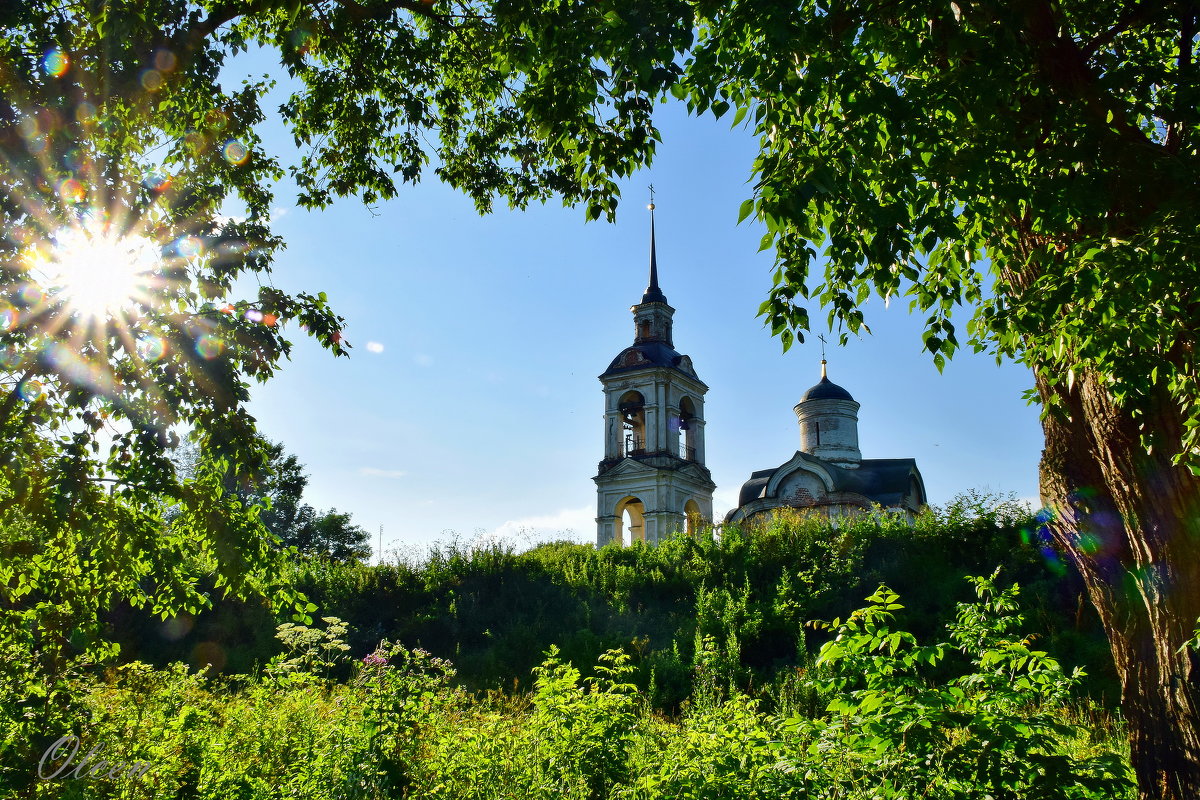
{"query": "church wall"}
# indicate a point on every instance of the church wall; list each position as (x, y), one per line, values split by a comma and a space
(801, 489)
(663, 496)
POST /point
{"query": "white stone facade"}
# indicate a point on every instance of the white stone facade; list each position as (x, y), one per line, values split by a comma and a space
(828, 474)
(657, 462)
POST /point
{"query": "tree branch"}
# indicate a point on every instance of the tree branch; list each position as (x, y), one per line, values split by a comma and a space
(1066, 69)
(359, 11)
(1138, 14)
(1183, 97)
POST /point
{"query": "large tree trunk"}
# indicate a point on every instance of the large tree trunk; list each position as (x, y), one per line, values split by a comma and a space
(1130, 521)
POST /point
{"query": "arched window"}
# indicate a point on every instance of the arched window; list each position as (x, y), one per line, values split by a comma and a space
(631, 523)
(691, 510)
(687, 426)
(633, 419)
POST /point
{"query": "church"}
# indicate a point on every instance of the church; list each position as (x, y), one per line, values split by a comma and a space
(828, 473)
(653, 473)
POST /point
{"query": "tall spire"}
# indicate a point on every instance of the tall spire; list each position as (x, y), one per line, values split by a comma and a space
(653, 293)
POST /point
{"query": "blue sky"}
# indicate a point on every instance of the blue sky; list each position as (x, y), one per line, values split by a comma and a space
(471, 403)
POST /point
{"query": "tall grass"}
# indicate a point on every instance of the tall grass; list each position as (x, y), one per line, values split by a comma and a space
(867, 722)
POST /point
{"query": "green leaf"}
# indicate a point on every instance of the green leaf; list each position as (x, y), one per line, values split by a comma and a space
(746, 209)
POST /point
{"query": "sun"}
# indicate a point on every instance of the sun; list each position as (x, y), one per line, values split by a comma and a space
(96, 272)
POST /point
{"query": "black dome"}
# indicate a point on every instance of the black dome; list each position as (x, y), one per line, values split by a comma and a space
(826, 390)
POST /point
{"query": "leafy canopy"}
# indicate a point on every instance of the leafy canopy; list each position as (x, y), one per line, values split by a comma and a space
(126, 140)
(1033, 161)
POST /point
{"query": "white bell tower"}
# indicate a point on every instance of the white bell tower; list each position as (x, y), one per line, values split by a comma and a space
(652, 481)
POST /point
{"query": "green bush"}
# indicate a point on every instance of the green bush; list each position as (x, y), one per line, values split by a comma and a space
(494, 611)
(398, 728)
(678, 671)
(998, 730)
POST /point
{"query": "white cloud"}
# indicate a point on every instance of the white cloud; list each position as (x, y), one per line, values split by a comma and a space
(375, 472)
(375, 347)
(423, 360)
(578, 524)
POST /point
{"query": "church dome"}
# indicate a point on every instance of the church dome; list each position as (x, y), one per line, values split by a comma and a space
(826, 390)
(650, 354)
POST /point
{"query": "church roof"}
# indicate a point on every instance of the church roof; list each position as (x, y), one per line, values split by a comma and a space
(885, 481)
(826, 390)
(650, 354)
(754, 488)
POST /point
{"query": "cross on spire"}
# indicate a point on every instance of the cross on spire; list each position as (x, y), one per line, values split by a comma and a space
(822, 338)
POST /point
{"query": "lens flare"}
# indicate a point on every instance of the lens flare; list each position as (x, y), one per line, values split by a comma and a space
(72, 366)
(156, 181)
(165, 60)
(209, 346)
(55, 62)
(10, 357)
(189, 246)
(151, 348)
(93, 270)
(71, 191)
(9, 316)
(31, 295)
(152, 80)
(31, 391)
(235, 152)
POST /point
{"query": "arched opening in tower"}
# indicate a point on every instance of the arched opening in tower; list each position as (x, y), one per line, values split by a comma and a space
(633, 420)
(631, 523)
(687, 429)
(691, 510)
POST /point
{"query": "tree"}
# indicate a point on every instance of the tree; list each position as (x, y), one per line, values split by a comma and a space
(135, 196)
(330, 534)
(1034, 165)
(279, 490)
(1035, 160)
(124, 144)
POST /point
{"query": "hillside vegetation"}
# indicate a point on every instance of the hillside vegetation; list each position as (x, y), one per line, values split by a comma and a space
(794, 660)
(494, 611)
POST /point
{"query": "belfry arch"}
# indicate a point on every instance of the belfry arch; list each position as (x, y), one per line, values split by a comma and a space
(635, 510)
(694, 516)
(688, 428)
(632, 406)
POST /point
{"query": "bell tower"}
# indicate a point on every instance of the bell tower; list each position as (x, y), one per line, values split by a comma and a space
(652, 481)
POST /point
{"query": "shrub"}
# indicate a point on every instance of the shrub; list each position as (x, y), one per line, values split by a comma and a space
(997, 730)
